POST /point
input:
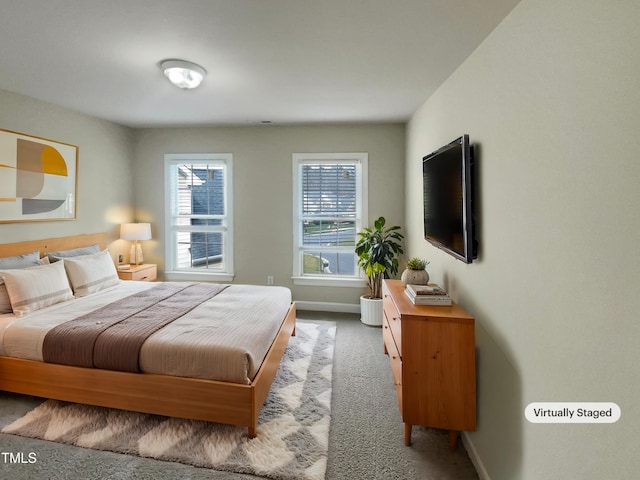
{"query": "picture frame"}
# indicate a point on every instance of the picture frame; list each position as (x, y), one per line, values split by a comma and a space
(38, 179)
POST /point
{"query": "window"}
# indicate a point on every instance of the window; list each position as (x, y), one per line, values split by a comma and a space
(199, 233)
(329, 207)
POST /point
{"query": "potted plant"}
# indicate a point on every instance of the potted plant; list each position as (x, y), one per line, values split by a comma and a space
(377, 249)
(416, 273)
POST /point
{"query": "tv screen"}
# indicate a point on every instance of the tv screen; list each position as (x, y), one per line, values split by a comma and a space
(448, 199)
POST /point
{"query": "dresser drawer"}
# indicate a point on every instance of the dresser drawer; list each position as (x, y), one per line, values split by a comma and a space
(393, 317)
(394, 359)
(392, 349)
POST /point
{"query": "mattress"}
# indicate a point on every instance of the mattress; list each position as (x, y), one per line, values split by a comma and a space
(225, 338)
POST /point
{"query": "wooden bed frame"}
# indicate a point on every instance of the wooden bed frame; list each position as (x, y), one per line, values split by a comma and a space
(192, 398)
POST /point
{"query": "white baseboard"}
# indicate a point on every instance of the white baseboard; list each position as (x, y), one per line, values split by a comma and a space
(475, 458)
(328, 307)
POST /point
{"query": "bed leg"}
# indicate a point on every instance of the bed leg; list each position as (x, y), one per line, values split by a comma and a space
(453, 440)
(252, 432)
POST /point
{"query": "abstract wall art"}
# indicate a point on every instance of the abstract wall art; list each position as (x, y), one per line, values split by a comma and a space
(38, 179)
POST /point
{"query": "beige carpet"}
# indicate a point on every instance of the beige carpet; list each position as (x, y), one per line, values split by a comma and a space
(293, 429)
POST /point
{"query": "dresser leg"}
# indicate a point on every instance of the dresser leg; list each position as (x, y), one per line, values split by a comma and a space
(407, 434)
(453, 439)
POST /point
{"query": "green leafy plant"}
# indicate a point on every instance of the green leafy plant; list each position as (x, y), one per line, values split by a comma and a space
(416, 263)
(378, 249)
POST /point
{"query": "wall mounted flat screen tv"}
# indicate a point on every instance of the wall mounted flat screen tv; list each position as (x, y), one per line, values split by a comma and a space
(448, 199)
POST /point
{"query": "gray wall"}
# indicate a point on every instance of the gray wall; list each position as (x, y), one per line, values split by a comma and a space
(263, 198)
(551, 98)
(105, 185)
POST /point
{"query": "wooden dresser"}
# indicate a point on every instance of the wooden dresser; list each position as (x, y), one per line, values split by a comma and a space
(432, 355)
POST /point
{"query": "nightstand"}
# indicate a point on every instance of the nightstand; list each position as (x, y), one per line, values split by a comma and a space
(146, 272)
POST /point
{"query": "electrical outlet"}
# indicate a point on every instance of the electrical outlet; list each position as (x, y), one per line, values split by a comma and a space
(120, 258)
(269, 279)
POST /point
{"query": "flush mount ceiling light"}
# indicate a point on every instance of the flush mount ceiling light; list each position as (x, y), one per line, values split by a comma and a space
(183, 74)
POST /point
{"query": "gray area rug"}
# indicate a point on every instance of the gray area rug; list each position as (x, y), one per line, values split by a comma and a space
(293, 429)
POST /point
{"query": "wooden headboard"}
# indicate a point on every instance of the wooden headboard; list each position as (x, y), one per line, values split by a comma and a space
(53, 244)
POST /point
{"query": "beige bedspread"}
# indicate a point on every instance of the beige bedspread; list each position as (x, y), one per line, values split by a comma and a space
(225, 338)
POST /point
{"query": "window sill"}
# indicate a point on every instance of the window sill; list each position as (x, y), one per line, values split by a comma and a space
(330, 282)
(198, 276)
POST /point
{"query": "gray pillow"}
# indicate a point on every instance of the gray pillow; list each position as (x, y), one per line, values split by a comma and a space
(74, 252)
(20, 261)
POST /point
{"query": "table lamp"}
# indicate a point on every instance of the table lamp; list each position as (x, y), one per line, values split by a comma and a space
(135, 232)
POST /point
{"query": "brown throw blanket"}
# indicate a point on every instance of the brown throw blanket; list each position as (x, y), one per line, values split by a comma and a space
(111, 336)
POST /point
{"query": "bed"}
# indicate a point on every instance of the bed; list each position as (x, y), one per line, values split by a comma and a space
(236, 402)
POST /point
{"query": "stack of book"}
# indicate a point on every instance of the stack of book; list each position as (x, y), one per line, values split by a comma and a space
(427, 295)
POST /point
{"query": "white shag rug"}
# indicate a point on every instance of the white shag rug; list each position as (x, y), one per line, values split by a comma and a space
(293, 428)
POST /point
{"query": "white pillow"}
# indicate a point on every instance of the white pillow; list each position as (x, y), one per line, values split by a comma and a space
(91, 273)
(19, 261)
(36, 287)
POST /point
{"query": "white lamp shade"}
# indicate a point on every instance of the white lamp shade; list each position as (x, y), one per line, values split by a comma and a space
(135, 231)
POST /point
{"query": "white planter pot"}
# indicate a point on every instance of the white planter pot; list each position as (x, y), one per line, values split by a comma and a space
(371, 311)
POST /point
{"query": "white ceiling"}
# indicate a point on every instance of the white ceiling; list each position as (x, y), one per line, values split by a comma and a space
(284, 61)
